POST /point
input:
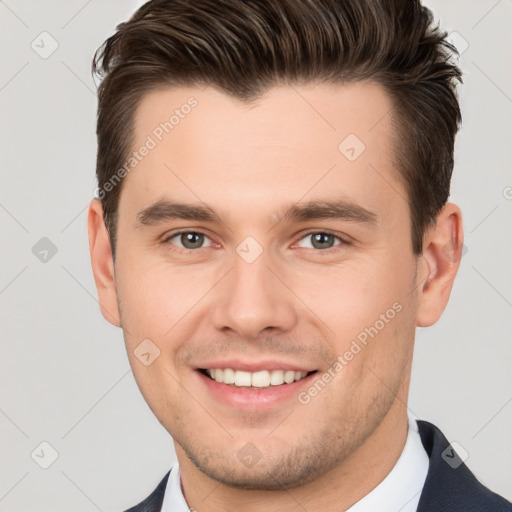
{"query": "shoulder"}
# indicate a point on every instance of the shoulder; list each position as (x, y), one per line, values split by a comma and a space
(153, 503)
(450, 485)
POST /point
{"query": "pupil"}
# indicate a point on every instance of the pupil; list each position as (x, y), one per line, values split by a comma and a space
(192, 240)
(322, 240)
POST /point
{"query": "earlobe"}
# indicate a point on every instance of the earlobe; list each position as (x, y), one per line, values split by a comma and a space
(102, 263)
(438, 265)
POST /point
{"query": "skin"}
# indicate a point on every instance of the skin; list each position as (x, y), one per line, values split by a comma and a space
(295, 303)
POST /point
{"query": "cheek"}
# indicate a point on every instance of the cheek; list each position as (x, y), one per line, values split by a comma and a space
(158, 385)
(368, 322)
(160, 312)
(349, 298)
(158, 298)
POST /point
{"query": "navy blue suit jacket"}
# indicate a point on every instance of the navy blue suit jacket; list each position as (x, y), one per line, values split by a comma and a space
(449, 486)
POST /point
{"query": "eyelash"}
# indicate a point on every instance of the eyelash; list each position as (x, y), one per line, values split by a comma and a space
(331, 250)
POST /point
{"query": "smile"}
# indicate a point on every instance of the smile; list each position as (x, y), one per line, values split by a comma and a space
(260, 379)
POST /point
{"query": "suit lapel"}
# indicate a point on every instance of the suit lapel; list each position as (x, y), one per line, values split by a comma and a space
(450, 485)
(153, 503)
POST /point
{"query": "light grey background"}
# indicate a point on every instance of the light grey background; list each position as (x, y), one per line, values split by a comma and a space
(65, 374)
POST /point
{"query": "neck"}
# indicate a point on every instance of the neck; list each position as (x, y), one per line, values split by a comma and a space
(336, 490)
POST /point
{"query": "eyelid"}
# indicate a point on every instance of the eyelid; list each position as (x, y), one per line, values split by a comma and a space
(344, 240)
(166, 238)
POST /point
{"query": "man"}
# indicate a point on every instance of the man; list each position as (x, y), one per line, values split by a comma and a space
(271, 226)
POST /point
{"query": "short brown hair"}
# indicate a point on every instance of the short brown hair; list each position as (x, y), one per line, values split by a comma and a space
(243, 47)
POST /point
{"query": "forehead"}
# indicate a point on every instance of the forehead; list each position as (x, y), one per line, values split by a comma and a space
(284, 116)
(295, 142)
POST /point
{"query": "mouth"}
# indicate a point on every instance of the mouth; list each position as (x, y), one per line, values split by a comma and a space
(254, 380)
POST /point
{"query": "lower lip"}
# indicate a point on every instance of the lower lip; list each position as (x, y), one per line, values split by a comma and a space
(253, 398)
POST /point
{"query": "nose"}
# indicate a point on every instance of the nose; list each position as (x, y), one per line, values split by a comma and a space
(253, 300)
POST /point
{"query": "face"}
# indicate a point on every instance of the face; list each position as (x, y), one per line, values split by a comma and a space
(267, 245)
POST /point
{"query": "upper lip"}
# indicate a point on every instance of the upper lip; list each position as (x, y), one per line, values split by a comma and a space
(255, 366)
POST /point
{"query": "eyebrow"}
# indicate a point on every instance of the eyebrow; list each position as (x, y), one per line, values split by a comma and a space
(337, 209)
(165, 209)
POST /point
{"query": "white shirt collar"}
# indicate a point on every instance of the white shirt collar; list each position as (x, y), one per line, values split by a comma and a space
(174, 501)
(401, 489)
(398, 492)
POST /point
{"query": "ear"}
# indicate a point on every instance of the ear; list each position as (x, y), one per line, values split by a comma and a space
(102, 263)
(438, 264)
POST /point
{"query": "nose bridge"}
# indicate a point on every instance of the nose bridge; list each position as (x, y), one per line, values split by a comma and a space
(252, 298)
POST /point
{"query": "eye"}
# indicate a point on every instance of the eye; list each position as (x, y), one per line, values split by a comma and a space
(321, 240)
(189, 240)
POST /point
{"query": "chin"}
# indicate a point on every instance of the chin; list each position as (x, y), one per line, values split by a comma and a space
(300, 466)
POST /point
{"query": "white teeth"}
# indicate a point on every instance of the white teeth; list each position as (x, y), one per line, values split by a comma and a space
(276, 377)
(261, 379)
(242, 378)
(289, 376)
(229, 376)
